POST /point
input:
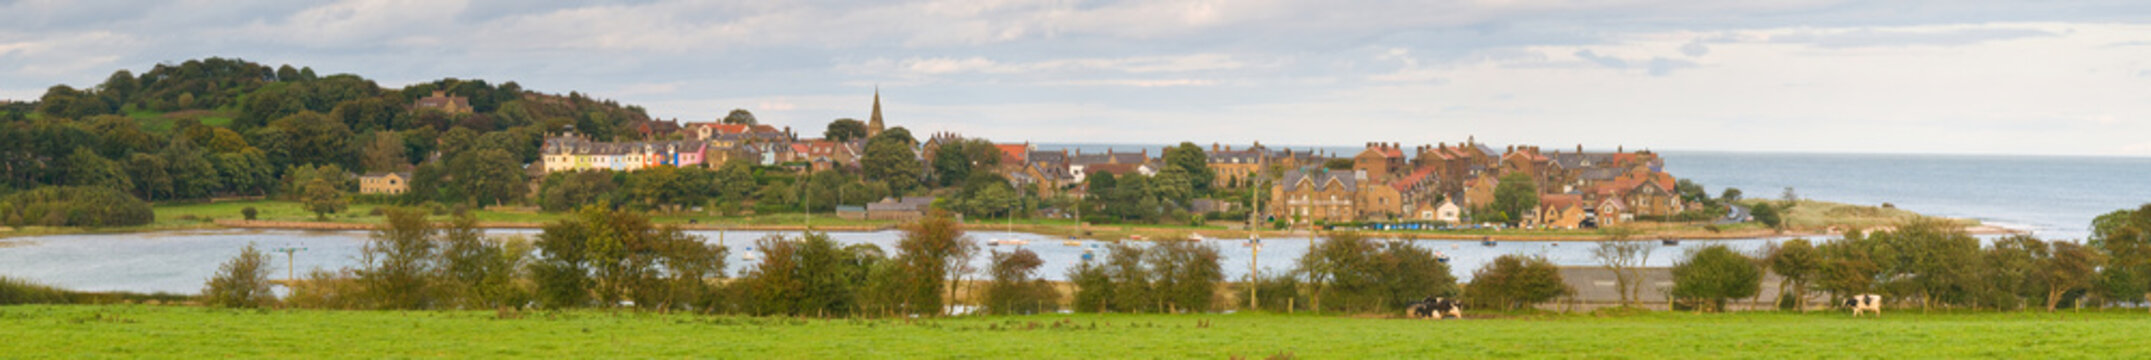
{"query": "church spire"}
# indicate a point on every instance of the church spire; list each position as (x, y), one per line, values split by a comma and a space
(873, 123)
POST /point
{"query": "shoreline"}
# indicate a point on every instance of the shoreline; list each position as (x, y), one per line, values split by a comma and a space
(1094, 232)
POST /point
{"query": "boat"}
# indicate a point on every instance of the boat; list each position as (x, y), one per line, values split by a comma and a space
(1071, 243)
(1669, 242)
(1488, 243)
(1195, 237)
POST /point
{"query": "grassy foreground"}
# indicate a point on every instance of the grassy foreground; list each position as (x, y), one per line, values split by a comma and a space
(132, 331)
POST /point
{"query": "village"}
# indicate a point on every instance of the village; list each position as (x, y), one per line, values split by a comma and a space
(1440, 185)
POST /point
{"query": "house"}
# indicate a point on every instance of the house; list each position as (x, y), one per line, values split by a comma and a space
(441, 101)
(1480, 192)
(1445, 211)
(1235, 168)
(1561, 211)
(386, 183)
(573, 153)
(1611, 210)
(1646, 192)
(1379, 160)
(1081, 165)
(1318, 194)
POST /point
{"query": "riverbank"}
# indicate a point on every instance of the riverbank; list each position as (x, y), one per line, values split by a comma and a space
(1808, 219)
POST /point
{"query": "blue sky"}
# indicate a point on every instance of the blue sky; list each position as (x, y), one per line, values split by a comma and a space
(1960, 76)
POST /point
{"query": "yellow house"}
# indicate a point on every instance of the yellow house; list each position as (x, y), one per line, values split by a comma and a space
(384, 183)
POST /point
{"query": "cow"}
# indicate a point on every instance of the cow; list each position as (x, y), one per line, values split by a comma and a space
(1865, 303)
(1434, 308)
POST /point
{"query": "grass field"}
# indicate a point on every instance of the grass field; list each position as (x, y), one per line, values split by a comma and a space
(132, 331)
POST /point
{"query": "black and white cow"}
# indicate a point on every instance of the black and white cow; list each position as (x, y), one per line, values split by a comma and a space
(1865, 303)
(1434, 308)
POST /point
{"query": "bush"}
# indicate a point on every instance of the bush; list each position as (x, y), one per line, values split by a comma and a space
(76, 206)
(1184, 275)
(18, 291)
(1015, 288)
(242, 282)
(249, 213)
(1348, 272)
(1716, 273)
(1513, 282)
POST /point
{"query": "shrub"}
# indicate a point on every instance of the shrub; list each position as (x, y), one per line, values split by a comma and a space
(1185, 275)
(1513, 282)
(77, 206)
(18, 291)
(1015, 288)
(249, 213)
(242, 282)
(1716, 273)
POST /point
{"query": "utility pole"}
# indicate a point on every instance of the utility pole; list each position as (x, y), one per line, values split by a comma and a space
(1254, 242)
(290, 272)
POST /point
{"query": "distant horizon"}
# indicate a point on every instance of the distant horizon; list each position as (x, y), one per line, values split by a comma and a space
(1862, 76)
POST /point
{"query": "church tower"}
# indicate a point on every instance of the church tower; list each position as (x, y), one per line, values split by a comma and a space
(873, 123)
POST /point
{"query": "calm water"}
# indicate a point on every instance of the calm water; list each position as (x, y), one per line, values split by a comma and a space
(179, 262)
(2056, 197)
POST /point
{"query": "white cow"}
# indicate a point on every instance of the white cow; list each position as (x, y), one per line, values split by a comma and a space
(1434, 308)
(1865, 303)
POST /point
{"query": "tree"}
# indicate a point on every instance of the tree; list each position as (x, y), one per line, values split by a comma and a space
(600, 256)
(242, 282)
(1624, 258)
(322, 199)
(82, 206)
(929, 255)
(1513, 282)
(890, 159)
(316, 139)
(806, 276)
(1716, 273)
(2072, 267)
(845, 129)
(385, 153)
(563, 191)
(480, 274)
(1196, 163)
(1768, 215)
(2125, 236)
(740, 117)
(85, 168)
(487, 176)
(955, 160)
(1797, 264)
(1515, 196)
(1185, 275)
(1015, 288)
(1730, 195)
(396, 265)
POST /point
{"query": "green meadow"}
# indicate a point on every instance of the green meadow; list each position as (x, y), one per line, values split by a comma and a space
(142, 331)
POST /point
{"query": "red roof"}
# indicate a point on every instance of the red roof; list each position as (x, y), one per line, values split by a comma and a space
(1561, 201)
(1412, 180)
(1012, 154)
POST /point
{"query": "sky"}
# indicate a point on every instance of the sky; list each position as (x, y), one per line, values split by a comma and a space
(1914, 76)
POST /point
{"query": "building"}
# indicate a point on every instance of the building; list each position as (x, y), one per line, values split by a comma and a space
(1321, 195)
(873, 122)
(1236, 168)
(1379, 161)
(572, 153)
(1563, 211)
(900, 209)
(384, 183)
(441, 101)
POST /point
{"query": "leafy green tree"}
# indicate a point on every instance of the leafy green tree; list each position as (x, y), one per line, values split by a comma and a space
(397, 267)
(193, 176)
(86, 168)
(242, 282)
(245, 172)
(74, 206)
(807, 276)
(1185, 275)
(1716, 273)
(889, 158)
(2125, 236)
(148, 174)
(316, 139)
(265, 105)
(1768, 215)
(929, 256)
(1175, 185)
(605, 257)
(845, 129)
(739, 116)
(1515, 196)
(1015, 286)
(1194, 162)
(1797, 264)
(955, 161)
(385, 153)
(565, 191)
(2072, 267)
(735, 181)
(1849, 265)
(1513, 282)
(487, 176)
(1730, 195)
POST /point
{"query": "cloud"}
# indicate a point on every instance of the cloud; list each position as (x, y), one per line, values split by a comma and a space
(1606, 61)
(1911, 37)
(1664, 66)
(1695, 48)
(648, 89)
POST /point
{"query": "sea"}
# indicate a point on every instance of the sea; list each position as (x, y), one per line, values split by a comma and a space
(2049, 196)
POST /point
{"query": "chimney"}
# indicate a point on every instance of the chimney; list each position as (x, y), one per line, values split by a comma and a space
(1620, 149)
(1512, 148)
(438, 93)
(1579, 148)
(1213, 147)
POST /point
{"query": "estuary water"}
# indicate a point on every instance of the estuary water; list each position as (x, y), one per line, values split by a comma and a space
(2054, 197)
(180, 261)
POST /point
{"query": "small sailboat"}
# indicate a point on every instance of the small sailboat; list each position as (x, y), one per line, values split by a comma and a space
(1669, 242)
(1194, 236)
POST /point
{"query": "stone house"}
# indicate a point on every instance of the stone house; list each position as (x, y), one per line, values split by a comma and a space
(384, 183)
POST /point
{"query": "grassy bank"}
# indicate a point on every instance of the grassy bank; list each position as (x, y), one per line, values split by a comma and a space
(185, 332)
